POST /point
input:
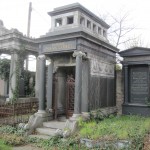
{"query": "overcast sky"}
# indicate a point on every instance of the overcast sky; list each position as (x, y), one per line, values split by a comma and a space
(14, 13)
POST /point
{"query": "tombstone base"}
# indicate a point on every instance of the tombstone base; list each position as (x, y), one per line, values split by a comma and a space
(136, 109)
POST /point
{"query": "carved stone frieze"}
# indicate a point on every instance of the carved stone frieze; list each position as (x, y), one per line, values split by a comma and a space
(101, 68)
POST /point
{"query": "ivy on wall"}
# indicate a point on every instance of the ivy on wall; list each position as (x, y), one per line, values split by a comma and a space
(4, 69)
(29, 82)
(27, 76)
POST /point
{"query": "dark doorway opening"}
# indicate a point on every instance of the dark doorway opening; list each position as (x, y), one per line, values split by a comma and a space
(63, 92)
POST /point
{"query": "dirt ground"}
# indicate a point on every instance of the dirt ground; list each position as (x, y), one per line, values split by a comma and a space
(27, 147)
(147, 142)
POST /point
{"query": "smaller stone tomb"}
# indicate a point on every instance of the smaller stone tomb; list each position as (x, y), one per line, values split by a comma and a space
(136, 72)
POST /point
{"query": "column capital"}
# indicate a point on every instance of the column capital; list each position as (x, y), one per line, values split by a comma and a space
(12, 51)
(49, 60)
(79, 53)
(41, 57)
(125, 66)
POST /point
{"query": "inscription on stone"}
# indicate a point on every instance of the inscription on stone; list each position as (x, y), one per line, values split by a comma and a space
(59, 46)
(139, 85)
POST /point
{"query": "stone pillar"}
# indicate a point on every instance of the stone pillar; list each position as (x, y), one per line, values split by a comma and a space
(37, 78)
(12, 78)
(38, 118)
(27, 62)
(50, 85)
(42, 67)
(119, 91)
(126, 86)
(85, 87)
(78, 83)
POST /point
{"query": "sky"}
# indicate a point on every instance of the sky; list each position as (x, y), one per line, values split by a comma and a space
(14, 13)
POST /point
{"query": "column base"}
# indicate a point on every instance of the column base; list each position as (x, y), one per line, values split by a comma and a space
(75, 117)
(85, 115)
(41, 113)
(37, 120)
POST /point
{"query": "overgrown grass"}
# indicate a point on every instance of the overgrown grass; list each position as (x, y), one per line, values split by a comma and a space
(12, 136)
(123, 127)
(131, 128)
(3, 146)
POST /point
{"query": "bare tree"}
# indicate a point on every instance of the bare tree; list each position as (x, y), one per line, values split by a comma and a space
(120, 28)
(136, 42)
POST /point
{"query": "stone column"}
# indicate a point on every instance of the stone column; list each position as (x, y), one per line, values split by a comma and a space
(50, 85)
(126, 86)
(42, 67)
(37, 78)
(38, 118)
(27, 62)
(78, 83)
(12, 77)
(85, 87)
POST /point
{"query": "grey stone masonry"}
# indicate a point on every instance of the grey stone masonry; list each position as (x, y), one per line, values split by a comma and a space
(12, 83)
(42, 60)
(78, 81)
(50, 85)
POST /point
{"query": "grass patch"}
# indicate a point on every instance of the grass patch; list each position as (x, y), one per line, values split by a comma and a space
(3, 146)
(123, 127)
(131, 128)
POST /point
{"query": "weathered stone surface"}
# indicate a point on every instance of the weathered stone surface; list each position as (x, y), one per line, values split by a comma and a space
(106, 144)
(136, 68)
(119, 91)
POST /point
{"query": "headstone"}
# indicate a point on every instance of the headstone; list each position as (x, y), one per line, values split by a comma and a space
(139, 84)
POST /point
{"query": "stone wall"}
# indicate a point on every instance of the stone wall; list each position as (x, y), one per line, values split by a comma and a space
(119, 91)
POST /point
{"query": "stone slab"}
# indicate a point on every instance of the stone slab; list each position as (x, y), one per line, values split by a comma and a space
(54, 124)
(46, 131)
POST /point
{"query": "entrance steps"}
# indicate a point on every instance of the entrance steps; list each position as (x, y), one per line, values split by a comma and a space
(49, 128)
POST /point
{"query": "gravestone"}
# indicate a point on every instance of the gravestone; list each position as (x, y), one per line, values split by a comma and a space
(139, 84)
(136, 68)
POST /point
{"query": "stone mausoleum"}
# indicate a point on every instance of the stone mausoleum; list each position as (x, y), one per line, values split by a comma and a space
(81, 63)
(75, 63)
(136, 70)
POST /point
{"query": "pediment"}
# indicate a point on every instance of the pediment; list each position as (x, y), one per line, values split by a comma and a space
(136, 51)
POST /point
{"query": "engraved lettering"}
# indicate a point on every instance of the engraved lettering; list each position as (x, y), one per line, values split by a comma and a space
(60, 46)
(139, 84)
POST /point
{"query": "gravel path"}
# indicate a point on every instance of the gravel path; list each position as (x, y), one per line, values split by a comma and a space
(27, 147)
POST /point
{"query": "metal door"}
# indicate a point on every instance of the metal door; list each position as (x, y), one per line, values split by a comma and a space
(70, 96)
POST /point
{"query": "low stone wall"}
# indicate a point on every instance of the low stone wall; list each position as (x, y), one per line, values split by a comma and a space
(119, 91)
(27, 99)
(104, 112)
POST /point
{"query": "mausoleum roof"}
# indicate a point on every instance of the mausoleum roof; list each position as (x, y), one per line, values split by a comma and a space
(78, 6)
(135, 51)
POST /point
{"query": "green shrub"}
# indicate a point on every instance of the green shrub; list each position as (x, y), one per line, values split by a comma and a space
(7, 129)
(12, 139)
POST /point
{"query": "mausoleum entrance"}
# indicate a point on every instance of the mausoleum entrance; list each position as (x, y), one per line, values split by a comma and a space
(63, 91)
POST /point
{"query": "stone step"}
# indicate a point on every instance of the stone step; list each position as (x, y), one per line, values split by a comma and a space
(40, 136)
(54, 124)
(62, 118)
(45, 131)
